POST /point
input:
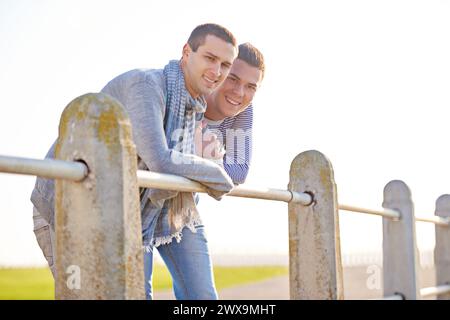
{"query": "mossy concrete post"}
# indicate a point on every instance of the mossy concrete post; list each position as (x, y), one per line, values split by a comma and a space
(98, 229)
(442, 248)
(400, 254)
(315, 267)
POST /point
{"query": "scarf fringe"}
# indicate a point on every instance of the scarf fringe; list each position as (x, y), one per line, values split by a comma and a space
(158, 241)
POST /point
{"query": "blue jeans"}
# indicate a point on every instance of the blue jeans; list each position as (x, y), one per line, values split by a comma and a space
(189, 264)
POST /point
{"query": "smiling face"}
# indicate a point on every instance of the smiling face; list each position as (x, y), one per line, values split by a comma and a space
(205, 69)
(236, 93)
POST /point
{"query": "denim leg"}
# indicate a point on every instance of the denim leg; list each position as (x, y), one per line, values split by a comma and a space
(190, 265)
(148, 273)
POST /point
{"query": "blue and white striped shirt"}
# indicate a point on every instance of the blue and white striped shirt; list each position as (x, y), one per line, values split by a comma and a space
(235, 133)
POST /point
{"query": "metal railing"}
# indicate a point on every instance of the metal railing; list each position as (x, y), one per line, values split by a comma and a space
(434, 291)
(387, 213)
(77, 171)
(424, 293)
(47, 168)
(395, 215)
(172, 182)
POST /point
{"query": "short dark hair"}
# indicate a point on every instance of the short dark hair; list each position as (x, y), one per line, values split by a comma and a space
(251, 55)
(198, 35)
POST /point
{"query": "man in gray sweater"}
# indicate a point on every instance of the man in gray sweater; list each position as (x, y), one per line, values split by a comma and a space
(163, 106)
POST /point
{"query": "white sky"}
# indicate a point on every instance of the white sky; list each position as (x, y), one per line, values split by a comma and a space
(364, 82)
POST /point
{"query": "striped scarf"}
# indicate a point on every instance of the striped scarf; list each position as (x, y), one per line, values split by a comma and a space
(179, 126)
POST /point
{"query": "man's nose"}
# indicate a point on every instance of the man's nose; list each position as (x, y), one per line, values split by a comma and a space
(215, 69)
(238, 89)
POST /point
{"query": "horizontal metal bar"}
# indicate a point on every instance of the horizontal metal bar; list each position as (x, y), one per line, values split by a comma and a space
(47, 168)
(77, 171)
(424, 292)
(393, 214)
(393, 297)
(435, 291)
(388, 213)
(436, 220)
(150, 179)
(246, 191)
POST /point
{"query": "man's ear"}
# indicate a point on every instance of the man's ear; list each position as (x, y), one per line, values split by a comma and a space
(186, 50)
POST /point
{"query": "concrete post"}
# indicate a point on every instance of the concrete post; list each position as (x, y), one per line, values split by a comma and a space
(315, 268)
(400, 254)
(98, 226)
(442, 248)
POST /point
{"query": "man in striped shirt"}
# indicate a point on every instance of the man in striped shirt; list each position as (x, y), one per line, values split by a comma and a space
(228, 118)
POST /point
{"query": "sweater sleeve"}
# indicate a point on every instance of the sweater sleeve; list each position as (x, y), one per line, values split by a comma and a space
(145, 102)
(239, 146)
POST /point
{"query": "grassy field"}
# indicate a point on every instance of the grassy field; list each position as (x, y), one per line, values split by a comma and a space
(37, 283)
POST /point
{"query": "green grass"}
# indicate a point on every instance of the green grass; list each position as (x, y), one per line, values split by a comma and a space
(37, 283)
(231, 276)
(20, 284)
